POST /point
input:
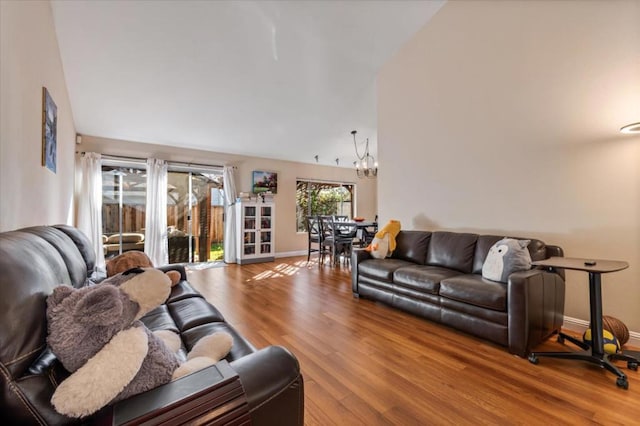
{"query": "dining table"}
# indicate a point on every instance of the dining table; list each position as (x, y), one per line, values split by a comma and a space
(361, 226)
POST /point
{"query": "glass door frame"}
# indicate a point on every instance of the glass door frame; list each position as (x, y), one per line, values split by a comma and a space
(192, 171)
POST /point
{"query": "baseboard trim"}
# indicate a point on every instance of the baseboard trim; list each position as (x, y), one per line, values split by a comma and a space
(580, 326)
(291, 253)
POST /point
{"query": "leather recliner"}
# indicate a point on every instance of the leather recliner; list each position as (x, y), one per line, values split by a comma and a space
(35, 260)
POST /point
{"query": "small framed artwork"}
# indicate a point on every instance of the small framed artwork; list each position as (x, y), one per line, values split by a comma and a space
(264, 182)
(49, 129)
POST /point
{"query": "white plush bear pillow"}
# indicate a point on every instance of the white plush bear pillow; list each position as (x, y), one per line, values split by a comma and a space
(505, 257)
(380, 247)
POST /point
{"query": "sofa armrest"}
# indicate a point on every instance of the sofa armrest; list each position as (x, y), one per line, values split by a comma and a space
(357, 256)
(213, 395)
(535, 307)
(273, 385)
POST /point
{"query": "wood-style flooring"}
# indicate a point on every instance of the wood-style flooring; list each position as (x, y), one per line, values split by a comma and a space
(365, 363)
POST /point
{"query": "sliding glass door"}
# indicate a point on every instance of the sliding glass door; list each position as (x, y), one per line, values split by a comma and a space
(194, 216)
(194, 210)
(124, 192)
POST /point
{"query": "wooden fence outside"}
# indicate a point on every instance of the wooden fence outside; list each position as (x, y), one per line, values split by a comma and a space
(133, 220)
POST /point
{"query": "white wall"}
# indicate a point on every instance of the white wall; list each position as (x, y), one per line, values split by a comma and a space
(503, 117)
(30, 194)
(287, 240)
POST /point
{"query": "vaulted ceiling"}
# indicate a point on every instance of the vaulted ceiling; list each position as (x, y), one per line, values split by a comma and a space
(274, 79)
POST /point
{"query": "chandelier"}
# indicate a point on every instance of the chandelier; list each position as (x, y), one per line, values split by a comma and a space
(366, 165)
(631, 128)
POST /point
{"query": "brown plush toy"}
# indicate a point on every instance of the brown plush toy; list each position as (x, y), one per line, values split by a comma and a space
(135, 259)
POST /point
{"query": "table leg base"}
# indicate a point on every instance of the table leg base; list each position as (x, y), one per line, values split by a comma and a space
(603, 360)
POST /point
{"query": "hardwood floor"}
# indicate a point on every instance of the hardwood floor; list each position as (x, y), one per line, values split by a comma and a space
(366, 363)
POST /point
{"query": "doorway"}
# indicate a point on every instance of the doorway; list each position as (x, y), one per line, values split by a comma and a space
(194, 216)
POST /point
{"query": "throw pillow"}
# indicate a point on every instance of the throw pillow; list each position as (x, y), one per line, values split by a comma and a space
(505, 257)
(379, 247)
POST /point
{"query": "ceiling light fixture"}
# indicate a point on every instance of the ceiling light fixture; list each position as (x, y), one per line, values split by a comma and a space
(631, 128)
(366, 165)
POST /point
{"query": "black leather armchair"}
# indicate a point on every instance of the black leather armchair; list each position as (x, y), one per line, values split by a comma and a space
(266, 384)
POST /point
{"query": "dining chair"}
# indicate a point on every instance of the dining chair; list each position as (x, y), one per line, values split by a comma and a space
(314, 231)
(328, 236)
(368, 233)
(346, 233)
(338, 238)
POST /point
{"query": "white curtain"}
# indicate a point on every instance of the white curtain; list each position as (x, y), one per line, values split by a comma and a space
(155, 240)
(230, 237)
(90, 204)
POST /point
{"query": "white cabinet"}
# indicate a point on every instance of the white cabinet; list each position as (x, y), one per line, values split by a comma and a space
(255, 220)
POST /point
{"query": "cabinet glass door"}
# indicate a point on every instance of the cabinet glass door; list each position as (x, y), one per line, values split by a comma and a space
(265, 241)
(249, 244)
(265, 229)
(250, 218)
(250, 230)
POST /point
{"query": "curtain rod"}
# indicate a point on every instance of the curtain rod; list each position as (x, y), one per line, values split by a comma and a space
(144, 160)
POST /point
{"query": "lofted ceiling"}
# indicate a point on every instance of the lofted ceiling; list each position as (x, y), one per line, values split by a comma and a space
(274, 79)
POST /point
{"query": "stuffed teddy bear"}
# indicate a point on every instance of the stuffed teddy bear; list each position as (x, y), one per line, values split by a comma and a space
(135, 259)
(384, 242)
(96, 334)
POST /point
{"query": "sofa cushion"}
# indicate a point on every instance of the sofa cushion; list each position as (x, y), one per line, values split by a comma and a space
(412, 246)
(84, 246)
(240, 348)
(452, 250)
(192, 312)
(381, 269)
(182, 290)
(483, 245)
(475, 290)
(422, 278)
(60, 241)
(160, 319)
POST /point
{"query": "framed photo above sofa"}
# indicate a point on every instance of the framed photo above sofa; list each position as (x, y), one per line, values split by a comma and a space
(264, 182)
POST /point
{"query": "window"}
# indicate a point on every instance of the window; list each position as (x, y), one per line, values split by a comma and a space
(322, 198)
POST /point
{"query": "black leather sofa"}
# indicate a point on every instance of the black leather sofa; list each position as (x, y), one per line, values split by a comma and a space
(438, 276)
(35, 260)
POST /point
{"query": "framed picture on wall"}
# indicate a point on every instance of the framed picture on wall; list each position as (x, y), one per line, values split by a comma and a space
(49, 129)
(264, 182)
